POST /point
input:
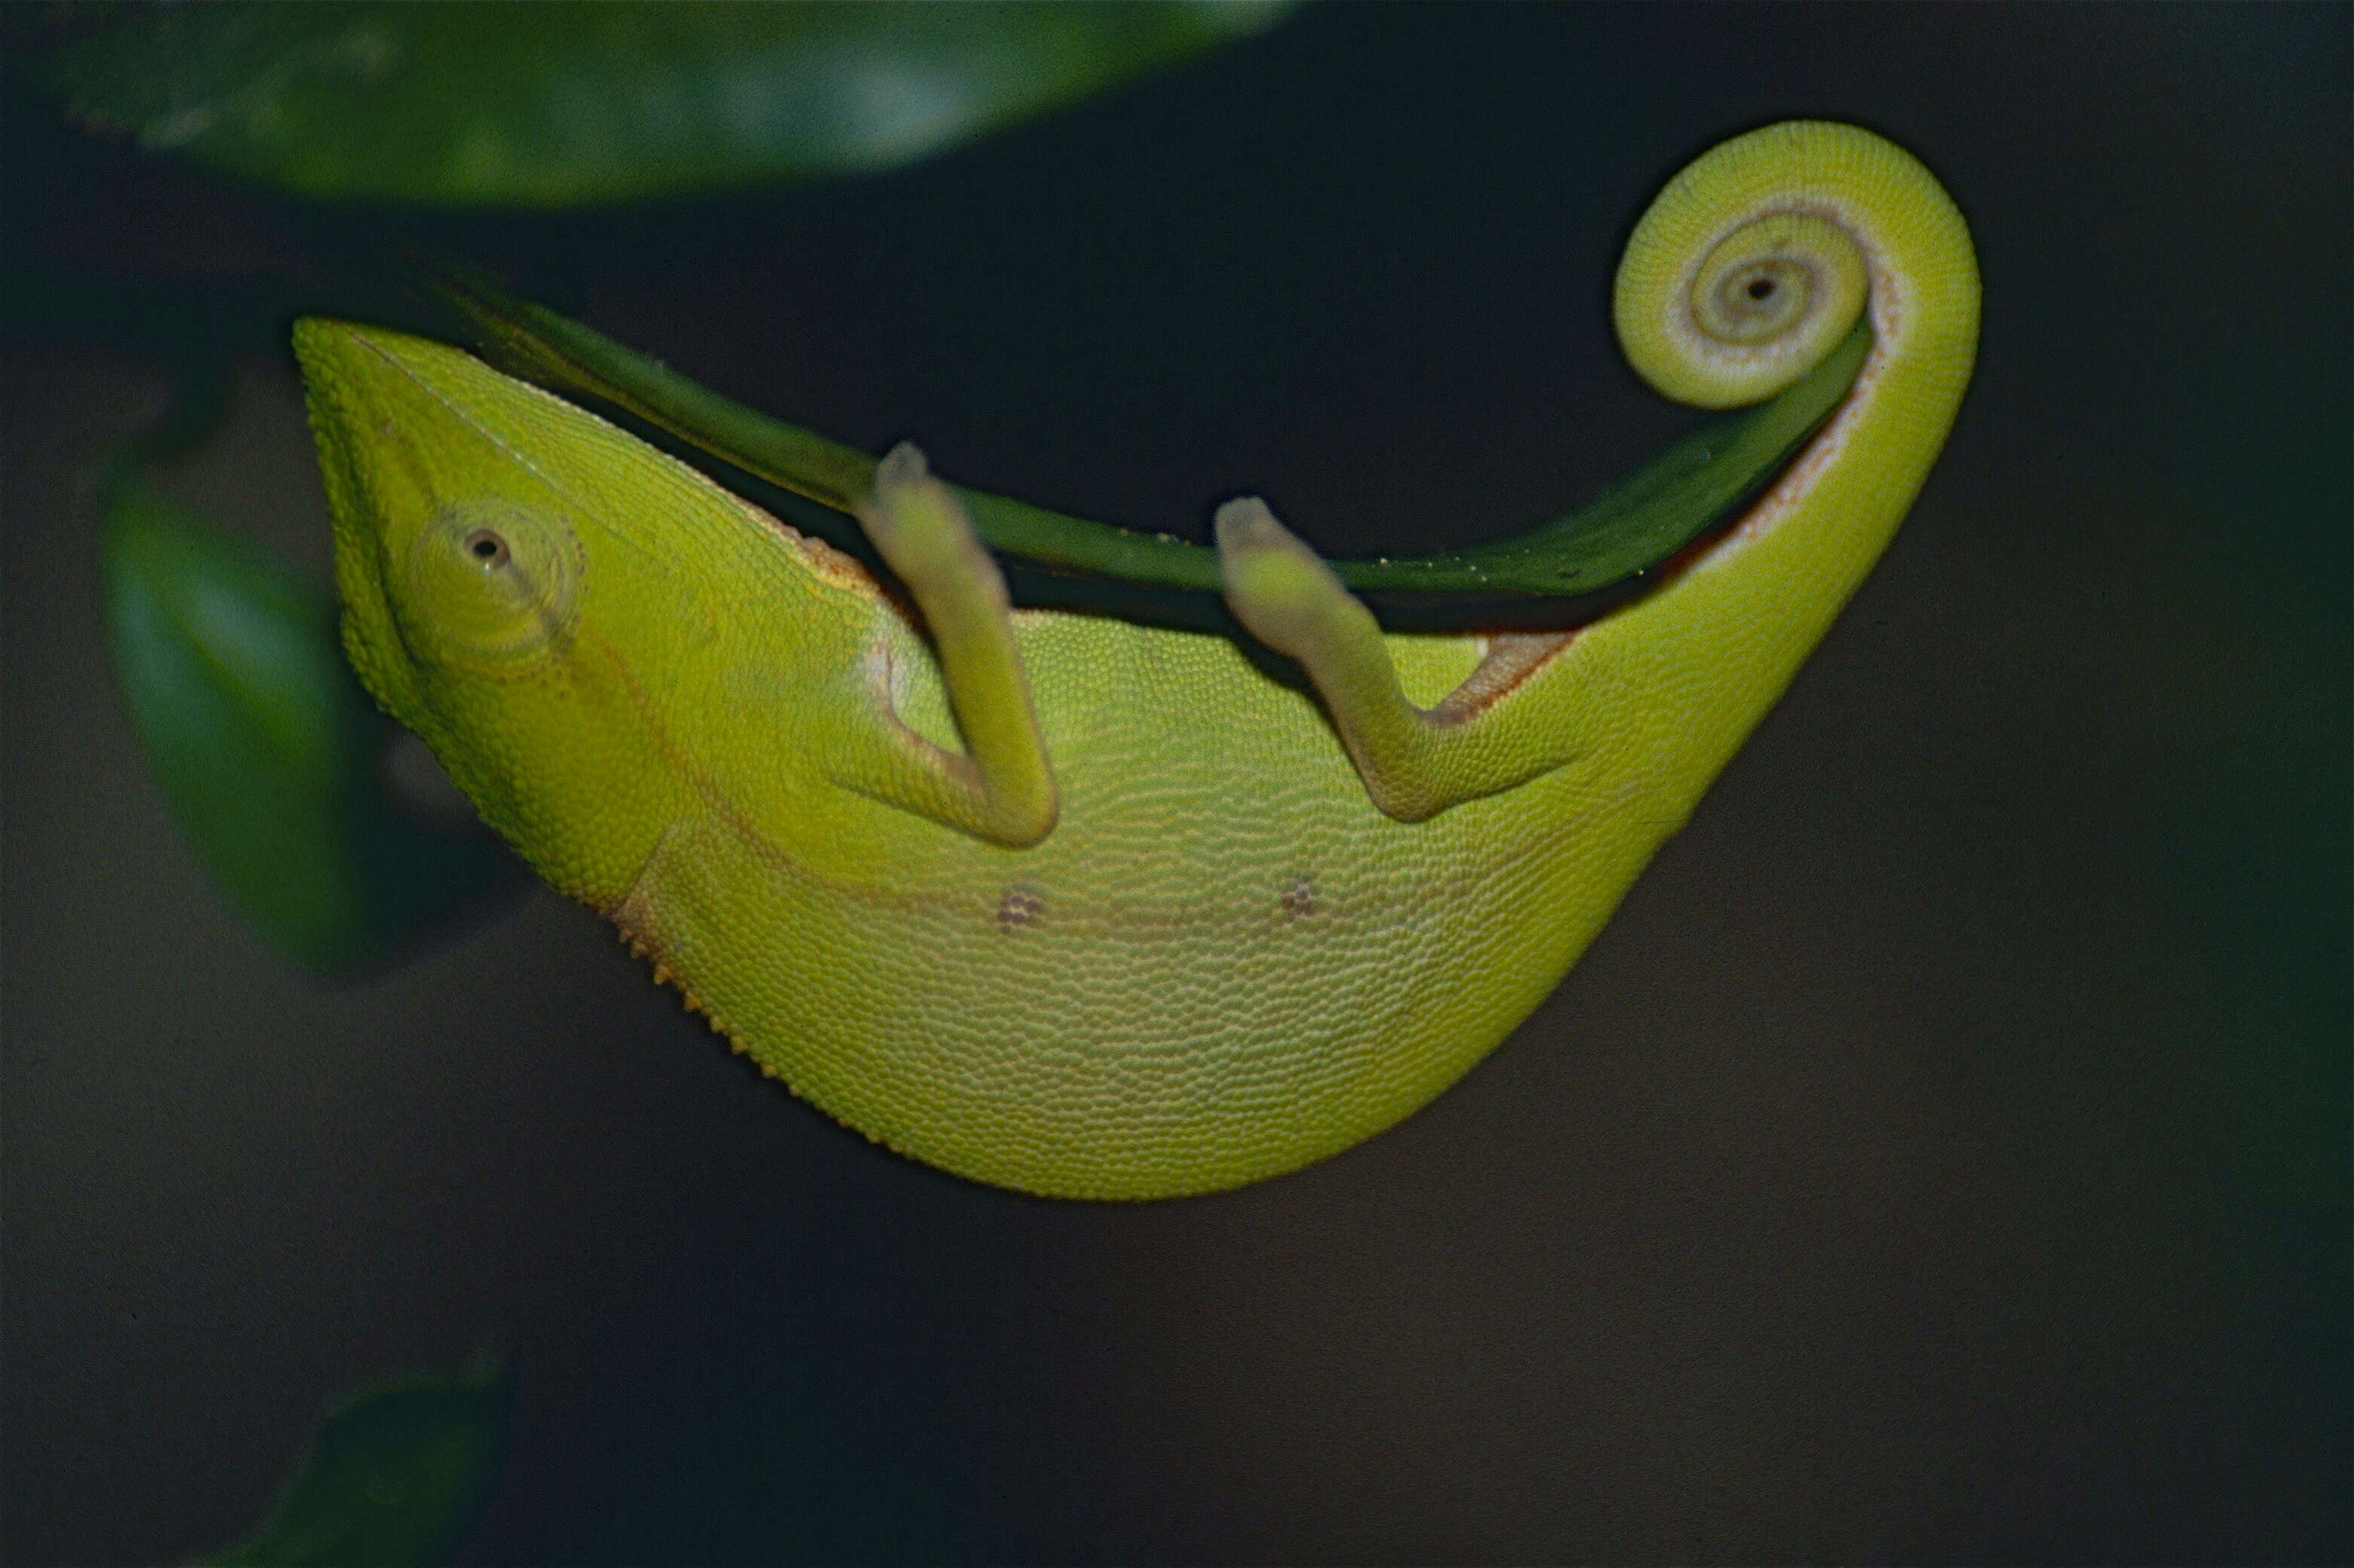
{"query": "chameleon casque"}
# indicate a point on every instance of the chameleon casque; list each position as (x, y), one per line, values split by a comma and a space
(1083, 906)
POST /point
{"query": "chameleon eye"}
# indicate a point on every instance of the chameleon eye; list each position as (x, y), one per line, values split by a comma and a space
(489, 585)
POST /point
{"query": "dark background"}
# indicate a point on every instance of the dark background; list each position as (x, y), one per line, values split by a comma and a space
(1944, 1157)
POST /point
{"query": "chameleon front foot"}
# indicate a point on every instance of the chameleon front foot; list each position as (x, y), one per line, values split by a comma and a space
(1000, 789)
(1415, 762)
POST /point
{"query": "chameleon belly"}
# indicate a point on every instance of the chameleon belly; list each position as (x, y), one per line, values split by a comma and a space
(1220, 965)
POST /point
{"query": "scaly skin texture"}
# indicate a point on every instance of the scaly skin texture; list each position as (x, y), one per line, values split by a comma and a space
(1188, 926)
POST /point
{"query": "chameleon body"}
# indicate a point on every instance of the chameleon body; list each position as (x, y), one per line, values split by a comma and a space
(1087, 907)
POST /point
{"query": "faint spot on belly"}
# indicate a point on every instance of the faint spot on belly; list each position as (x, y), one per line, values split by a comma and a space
(1300, 898)
(1020, 905)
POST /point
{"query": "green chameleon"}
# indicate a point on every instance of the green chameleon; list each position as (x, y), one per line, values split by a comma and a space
(1081, 906)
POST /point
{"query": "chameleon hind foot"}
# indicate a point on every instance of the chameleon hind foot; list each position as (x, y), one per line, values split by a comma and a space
(1415, 762)
(1000, 789)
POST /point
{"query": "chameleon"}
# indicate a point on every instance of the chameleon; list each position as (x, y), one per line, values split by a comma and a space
(1081, 906)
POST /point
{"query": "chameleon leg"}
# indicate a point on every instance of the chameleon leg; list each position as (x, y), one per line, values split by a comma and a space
(1415, 762)
(1000, 789)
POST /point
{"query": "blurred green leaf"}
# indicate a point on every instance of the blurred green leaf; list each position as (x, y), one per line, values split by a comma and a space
(394, 1479)
(266, 746)
(549, 105)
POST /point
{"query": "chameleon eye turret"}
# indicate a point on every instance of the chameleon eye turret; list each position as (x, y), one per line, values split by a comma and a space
(489, 584)
(1099, 909)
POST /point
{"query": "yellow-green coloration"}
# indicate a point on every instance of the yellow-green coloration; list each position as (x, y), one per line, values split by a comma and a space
(1091, 909)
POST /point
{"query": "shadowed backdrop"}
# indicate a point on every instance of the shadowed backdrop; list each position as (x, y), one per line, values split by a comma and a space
(1943, 1157)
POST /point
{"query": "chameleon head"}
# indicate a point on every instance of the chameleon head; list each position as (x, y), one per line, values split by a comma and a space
(473, 609)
